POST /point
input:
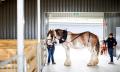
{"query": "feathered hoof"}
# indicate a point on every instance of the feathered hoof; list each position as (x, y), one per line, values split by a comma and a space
(67, 63)
(92, 64)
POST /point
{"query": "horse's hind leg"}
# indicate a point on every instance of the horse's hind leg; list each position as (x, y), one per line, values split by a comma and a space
(94, 58)
(67, 50)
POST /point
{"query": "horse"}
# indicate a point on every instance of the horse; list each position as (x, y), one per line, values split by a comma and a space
(69, 39)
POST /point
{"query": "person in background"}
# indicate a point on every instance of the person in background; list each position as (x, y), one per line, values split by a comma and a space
(111, 43)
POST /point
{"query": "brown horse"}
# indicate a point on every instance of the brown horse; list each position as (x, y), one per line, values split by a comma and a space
(69, 39)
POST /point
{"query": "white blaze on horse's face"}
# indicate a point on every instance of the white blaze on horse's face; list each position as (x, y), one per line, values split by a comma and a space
(49, 37)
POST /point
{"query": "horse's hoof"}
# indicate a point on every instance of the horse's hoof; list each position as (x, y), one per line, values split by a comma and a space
(67, 65)
(89, 64)
(93, 62)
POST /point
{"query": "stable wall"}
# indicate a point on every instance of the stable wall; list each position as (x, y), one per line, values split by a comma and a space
(8, 28)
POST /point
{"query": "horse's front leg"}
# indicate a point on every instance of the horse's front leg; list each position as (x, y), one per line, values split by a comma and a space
(67, 50)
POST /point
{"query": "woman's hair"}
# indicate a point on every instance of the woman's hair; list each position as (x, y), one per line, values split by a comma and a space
(111, 34)
(51, 33)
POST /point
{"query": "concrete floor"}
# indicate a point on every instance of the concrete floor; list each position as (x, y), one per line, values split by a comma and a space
(79, 59)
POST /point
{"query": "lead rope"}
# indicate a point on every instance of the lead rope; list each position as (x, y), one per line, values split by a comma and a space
(75, 38)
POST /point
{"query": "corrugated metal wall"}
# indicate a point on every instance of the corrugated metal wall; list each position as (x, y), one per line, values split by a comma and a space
(8, 14)
(81, 5)
(112, 21)
(87, 6)
(8, 21)
(30, 19)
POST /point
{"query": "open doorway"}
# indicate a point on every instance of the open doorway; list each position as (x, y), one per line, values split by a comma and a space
(76, 22)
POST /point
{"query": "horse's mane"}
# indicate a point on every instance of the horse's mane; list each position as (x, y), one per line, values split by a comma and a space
(59, 32)
(71, 32)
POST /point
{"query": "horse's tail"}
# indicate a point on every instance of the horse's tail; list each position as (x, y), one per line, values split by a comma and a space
(98, 47)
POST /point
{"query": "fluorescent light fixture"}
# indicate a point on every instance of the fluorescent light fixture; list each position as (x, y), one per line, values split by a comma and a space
(76, 20)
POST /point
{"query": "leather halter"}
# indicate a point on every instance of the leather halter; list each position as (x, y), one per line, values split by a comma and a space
(64, 37)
